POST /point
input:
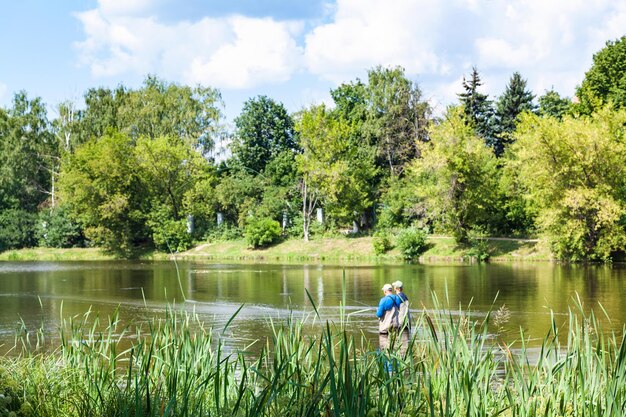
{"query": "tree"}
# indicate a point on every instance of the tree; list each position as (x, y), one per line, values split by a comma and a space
(606, 79)
(157, 109)
(477, 108)
(515, 100)
(334, 166)
(264, 132)
(28, 154)
(397, 117)
(551, 104)
(101, 186)
(388, 113)
(573, 174)
(456, 178)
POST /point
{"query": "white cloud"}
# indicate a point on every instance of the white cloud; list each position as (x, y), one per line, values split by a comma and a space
(230, 52)
(365, 33)
(259, 51)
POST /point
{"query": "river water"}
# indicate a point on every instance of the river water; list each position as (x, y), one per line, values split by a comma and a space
(41, 293)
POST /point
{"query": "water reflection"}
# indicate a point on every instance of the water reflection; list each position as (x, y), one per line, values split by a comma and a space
(39, 293)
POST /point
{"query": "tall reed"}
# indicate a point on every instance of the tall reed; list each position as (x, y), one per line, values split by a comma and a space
(452, 366)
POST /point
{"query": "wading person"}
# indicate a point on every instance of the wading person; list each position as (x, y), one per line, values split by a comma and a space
(404, 316)
(387, 313)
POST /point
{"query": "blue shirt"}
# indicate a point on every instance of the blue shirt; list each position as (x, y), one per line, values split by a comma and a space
(387, 303)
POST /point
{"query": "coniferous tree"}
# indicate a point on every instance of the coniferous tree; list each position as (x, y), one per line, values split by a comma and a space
(552, 104)
(515, 100)
(478, 110)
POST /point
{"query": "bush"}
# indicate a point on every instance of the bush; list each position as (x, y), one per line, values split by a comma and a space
(171, 235)
(478, 245)
(382, 243)
(262, 232)
(17, 229)
(411, 242)
(56, 230)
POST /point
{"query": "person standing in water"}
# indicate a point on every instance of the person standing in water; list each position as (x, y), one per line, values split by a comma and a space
(387, 313)
(404, 316)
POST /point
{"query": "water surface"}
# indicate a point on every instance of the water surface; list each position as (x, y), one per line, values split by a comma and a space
(40, 293)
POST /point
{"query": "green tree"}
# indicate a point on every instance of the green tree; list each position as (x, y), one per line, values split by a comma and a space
(397, 119)
(573, 173)
(515, 100)
(606, 79)
(477, 108)
(553, 105)
(101, 186)
(265, 132)
(156, 109)
(334, 167)
(28, 154)
(456, 178)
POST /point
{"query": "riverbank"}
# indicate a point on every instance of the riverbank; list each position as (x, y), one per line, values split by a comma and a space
(339, 249)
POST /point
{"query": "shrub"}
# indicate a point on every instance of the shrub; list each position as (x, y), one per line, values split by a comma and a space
(171, 235)
(262, 232)
(411, 242)
(16, 229)
(382, 243)
(56, 230)
(478, 245)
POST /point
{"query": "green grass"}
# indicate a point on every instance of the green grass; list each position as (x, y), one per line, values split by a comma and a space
(343, 249)
(455, 365)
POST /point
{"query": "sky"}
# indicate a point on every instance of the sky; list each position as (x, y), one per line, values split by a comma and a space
(296, 51)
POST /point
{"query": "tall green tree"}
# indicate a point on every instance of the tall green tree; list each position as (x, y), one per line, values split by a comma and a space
(606, 79)
(553, 105)
(156, 109)
(28, 154)
(573, 174)
(456, 178)
(515, 100)
(101, 186)
(397, 119)
(335, 168)
(265, 132)
(477, 108)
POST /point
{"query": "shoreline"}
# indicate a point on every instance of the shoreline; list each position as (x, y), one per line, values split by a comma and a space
(338, 249)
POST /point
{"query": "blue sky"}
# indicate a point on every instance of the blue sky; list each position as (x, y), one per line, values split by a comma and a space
(295, 51)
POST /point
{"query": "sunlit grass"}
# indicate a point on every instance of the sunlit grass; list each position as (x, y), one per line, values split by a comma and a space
(454, 365)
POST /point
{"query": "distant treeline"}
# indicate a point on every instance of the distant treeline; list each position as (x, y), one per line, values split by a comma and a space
(131, 169)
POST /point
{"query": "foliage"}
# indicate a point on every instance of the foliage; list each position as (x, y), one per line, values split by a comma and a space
(400, 205)
(265, 131)
(262, 232)
(168, 233)
(573, 174)
(382, 243)
(605, 82)
(157, 109)
(334, 163)
(552, 104)
(477, 108)
(456, 179)
(55, 229)
(411, 242)
(28, 154)
(17, 229)
(515, 100)
(103, 190)
(478, 245)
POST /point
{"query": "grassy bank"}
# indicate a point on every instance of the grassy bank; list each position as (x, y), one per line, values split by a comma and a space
(454, 365)
(342, 249)
(361, 249)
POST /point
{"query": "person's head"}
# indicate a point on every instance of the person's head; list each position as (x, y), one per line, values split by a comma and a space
(387, 289)
(397, 286)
